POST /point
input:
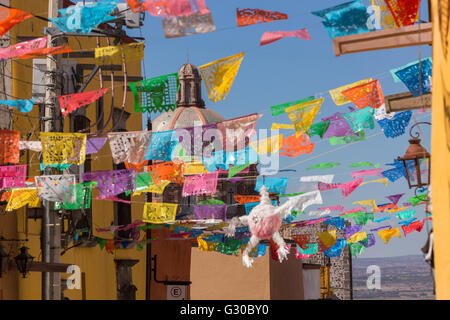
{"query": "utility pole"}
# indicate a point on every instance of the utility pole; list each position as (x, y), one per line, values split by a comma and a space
(51, 224)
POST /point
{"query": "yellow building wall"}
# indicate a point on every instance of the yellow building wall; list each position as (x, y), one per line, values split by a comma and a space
(440, 146)
(98, 265)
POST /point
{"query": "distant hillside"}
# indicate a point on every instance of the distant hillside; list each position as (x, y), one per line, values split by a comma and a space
(402, 278)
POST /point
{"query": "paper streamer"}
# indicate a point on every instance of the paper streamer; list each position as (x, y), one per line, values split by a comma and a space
(56, 188)
(111, 183)
(417, 84)
(200, 184)
(196, 23)
(293, 146)
(281, 108)
(13, 176)
(387, 234)
(366, 95)
(129, 147)
(21, 197)
(277, 185)
(337, 96)
(94, 145)
(237, 132)
(405, 12)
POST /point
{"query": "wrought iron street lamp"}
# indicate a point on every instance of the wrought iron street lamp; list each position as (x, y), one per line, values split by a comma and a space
(416, 161)
(24, 261)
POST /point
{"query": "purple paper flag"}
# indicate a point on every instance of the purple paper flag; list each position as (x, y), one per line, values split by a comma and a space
(369, 241)
(211, 211)
(351, 230)
(94, 145)
(111, 183)
(379, 228)
(395, 197)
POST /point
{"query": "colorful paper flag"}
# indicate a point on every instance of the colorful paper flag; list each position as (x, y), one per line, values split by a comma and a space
(303, 114)
(10, 17)
(246, 17)
(219, 75)
(71, 102)
(158, 213)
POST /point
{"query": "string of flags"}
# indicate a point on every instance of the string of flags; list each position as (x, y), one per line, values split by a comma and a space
(234, 154)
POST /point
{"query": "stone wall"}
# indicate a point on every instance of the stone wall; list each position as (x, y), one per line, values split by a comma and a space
(340, 268)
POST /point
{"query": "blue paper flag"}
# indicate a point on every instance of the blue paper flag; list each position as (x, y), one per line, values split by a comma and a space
(399, 171)
(345, 19)
(410, 77)
(162, 146)
(250, 205)
(223, 160)
(335, 250)
(83, 18)
(338, 222)
(22, 105)
(396, 126)
(277, 185)
(407, 222)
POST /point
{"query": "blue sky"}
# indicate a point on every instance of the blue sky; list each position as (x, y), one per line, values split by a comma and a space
(291, 69)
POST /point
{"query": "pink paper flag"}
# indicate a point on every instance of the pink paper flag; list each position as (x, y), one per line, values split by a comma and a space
(327, 186)
(335, 208)
(23, 48)
(272, 36)
(357, 209)
(200, 184)
(366, 173)
(349, 187)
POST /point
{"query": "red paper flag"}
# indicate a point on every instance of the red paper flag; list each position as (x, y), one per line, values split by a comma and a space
(71, 102)
(10, 17)
(404, 11)
(9, 146)
(366, 95)
(272, 36)
(413, 226)
(246, 17)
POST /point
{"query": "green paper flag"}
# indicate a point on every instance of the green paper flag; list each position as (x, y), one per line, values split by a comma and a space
(417, 199)
(361, 119)
(356, 248)
(157, 94)
(347, 139)
(229, 246)
(318, 128)
(143, 181)
(361, 220)
(101, 242)
(363, 164)
(234, 170)
(325, 165)
(280, 109)
(290, 194)
(211, 201)
(83, 197)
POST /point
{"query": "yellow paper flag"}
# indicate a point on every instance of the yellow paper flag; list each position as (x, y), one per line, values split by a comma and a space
(339, 98)
(328, 238)
(382, 180)
(383, 14)
(158, 213)
(276, 126)
(204, 245)
(21, 197)
(60, 148)
(302, 115)
(359, 236)
(194, 168)
(154, 188)
(219, 75)
(387, 234)
(370, 202)
(269, 145)
(113, 55)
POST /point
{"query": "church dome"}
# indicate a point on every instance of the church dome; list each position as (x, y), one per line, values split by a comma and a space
(190, 109)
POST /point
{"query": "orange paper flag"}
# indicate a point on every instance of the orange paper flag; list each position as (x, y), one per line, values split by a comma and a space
(294, 146)
(10, 17)
(366, 95)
